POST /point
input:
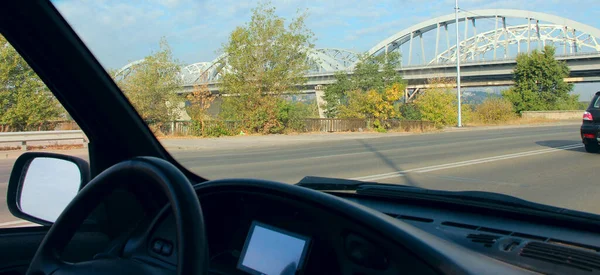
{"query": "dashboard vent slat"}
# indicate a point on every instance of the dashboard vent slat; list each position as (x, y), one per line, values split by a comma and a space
(561, 255)
(528, 236)
(578, 245)
(486, 239)
(413, 218)
(494, 230)
(460, 225)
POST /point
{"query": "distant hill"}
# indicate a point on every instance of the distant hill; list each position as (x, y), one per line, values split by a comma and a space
(476, 97)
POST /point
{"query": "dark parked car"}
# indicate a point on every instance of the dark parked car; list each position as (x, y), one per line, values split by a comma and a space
(591, 125)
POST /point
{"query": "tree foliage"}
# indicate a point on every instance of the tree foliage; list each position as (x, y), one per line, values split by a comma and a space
(539, 83)
(371, 73)
(375, 105)
(440, 105)
(153, 84)
(410, 111)
(266, 58)
(25, 101)
(199, 100)
(495, 110)
(293, 114)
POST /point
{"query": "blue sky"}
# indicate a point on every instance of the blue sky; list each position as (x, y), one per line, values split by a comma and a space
(119, 32)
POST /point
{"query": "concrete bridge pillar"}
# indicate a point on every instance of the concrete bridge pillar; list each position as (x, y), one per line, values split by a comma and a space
(319, 93)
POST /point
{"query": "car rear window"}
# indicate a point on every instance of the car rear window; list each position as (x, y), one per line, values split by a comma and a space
(596, 102)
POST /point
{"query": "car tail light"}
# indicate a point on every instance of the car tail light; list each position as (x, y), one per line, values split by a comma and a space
(587, 116)
(589, 136)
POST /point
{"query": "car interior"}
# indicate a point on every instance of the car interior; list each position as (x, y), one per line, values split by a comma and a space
(141, 212)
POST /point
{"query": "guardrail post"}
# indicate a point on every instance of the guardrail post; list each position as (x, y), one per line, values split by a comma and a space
(23, 145)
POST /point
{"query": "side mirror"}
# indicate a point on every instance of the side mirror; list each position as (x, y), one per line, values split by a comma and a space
(41, 185)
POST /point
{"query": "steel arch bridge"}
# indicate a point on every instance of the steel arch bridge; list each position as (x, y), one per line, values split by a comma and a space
(502, 40)
(556, 30)
(319, 61)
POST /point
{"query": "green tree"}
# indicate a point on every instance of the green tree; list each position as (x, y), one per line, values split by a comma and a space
(152, 86)
(410, 111)
(199, 100)
(266, 58)
(292, 114)
(539, 82)
(371, 73)
(439, 104)
(25, 101)
(334, 94)
(375, 105)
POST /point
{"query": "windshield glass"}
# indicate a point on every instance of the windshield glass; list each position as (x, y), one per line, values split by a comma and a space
(364, 90)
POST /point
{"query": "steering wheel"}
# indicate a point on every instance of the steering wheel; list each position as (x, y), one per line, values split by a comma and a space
(191, 244)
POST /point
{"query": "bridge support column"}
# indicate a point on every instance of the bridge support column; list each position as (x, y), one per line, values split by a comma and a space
(528, 35)
(319, 94)
(410, 48)
(437, 42)
(505, 37)
(495, 35)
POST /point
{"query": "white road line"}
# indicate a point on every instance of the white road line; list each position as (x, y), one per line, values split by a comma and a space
(465, 163)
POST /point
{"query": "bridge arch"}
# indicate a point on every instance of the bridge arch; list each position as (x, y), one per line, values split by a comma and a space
(488, 41)
(320, 60)
(436, 24)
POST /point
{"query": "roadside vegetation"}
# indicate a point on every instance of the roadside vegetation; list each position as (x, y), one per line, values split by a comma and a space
(267, 59)
(26, 104)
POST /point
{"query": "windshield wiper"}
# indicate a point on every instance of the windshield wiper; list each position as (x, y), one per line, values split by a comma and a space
(396, 191)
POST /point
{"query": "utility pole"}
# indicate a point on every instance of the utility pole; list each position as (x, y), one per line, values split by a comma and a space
(457, 63)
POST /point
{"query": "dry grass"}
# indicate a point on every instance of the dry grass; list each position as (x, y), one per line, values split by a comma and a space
(518, 121)
(416, 130)
(427, 129)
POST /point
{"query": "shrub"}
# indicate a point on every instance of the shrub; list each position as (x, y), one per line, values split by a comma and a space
(410, 111)
(437, 106)
(495, 110)
(292, 115)
(216, 129)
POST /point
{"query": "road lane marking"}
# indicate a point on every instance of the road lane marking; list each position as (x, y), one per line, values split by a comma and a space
(464, 163)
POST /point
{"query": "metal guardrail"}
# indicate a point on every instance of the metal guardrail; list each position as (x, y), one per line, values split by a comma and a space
(24, 137)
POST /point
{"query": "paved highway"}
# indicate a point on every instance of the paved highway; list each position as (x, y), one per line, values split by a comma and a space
(543, 164)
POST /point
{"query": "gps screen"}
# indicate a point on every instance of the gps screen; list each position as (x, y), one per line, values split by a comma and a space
(272, 251)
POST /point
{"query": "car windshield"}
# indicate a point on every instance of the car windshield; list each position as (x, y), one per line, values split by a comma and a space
(483, 96)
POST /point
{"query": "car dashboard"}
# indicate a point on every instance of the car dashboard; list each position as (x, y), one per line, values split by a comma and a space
(336, 243)
(336, 246)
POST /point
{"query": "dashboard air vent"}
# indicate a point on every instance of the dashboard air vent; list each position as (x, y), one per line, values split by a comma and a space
(570, 257)
(416, 219)
(410, 218)
(486, 239)
(461, 225)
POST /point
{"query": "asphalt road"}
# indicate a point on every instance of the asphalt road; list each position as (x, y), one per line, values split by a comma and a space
(543, 164)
